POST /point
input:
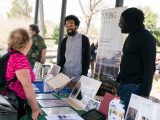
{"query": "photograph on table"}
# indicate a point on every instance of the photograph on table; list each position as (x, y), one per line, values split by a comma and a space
(92, 104)
(45, 69)
(132, 112)
(141, 108)
(57, 82)
(84, 90)
(54, 70)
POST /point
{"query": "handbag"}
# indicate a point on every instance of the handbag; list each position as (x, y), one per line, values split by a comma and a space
(12, 99)
(8, 109)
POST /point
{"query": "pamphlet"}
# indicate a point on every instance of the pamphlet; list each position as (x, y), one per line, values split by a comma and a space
(46, 87)
(45, 97)
(142, 109)
(52, 103)
(92, 104)
(58, 110)
(45, 69)
(40, 71)
(54, 70)
(58, 82)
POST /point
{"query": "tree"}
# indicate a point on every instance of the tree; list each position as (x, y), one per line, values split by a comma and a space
(55, 34)
(156, 33)
(93, 8)
(20, 8)
(151, 20)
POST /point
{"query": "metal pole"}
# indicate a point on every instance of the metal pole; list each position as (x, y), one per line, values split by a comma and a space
(61, 31)
(119, 3)
(36, 12)
(41, 18)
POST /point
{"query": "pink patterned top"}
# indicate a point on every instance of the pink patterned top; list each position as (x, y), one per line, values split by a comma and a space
(17, 61)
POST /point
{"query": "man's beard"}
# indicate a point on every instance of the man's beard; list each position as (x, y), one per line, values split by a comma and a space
(71, 33)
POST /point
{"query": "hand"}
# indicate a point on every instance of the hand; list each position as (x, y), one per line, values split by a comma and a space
(35, 114)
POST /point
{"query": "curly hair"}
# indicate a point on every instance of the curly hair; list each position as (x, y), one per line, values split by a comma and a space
(18, 39)
(74, 18)
(133, 17)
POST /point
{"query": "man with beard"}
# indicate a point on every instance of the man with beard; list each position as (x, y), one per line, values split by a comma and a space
(138, 61)
(74, 50)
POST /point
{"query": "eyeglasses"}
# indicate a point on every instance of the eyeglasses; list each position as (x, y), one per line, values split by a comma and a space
(70, 25)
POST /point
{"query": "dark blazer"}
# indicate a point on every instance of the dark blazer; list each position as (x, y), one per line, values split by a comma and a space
(85, 54)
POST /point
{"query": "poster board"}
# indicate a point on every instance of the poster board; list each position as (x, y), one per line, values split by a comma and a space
(109, 49)
(140, 108)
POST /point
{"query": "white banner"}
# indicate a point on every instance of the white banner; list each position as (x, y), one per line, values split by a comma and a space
(110, 45)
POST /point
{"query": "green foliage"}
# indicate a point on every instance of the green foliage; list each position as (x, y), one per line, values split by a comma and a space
(20, 8)
(151, 20)
(45, 30)
(55, 34)
(156, 33)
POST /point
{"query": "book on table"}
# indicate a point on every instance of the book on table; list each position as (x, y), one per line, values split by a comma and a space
(57, 82)
(104, 106)
(54, 70)
(40, 70)
(84, 90)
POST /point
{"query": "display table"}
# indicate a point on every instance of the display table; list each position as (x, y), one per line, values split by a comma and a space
(61, 94)
(42, 117)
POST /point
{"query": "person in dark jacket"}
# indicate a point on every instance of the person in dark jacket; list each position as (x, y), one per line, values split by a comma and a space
(138, 61)
(93, 47)
(74, 50)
